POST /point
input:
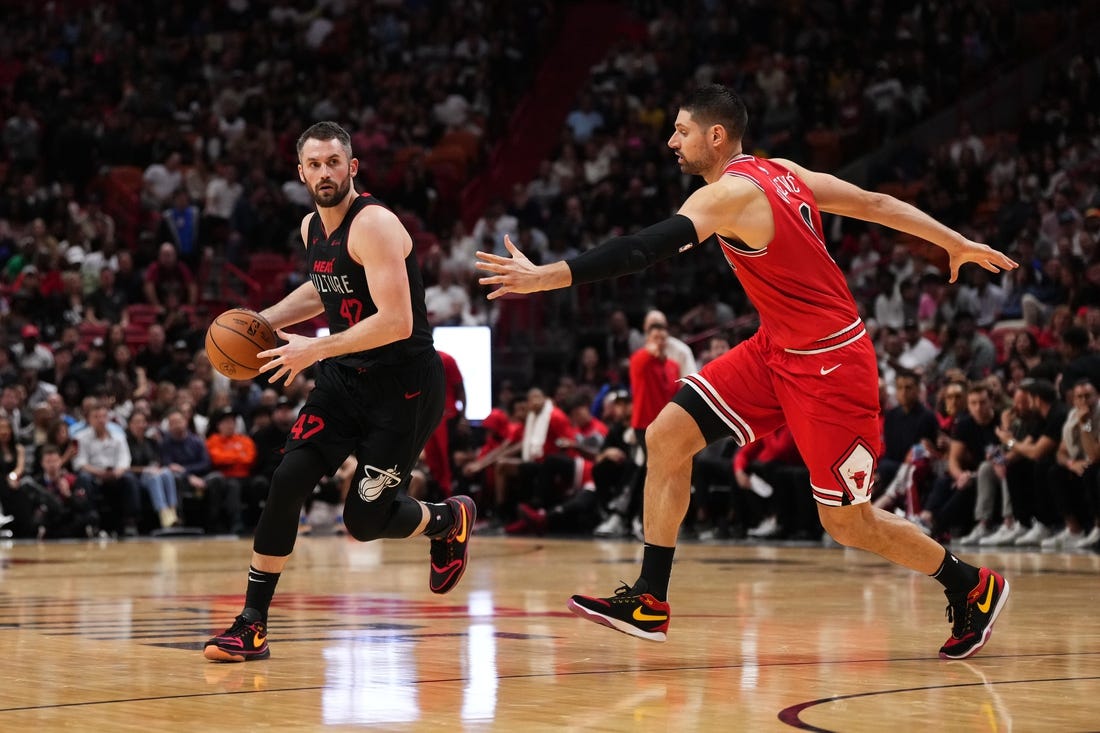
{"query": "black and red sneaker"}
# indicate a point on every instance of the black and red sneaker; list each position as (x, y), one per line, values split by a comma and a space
(972, 615)
(449, 553)
(637, 614)
(244, 641)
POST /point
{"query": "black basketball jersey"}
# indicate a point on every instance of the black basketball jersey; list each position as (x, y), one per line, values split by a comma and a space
(342, 284)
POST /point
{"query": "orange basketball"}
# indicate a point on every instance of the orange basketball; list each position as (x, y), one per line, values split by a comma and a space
(235, 338)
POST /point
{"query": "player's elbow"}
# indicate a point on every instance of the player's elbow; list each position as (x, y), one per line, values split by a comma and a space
(401, 325)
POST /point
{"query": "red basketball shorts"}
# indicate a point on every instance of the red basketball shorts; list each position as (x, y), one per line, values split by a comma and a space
(829, 400)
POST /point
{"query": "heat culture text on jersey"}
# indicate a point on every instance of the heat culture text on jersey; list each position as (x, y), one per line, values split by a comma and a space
(328, 283)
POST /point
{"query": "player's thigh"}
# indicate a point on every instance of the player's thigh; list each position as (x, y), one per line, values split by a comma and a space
(835, 423)
(327, 424)
(733, 395)
(386, 456)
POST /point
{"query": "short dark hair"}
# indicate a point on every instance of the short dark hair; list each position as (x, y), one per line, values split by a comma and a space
(714, 104)
(325, 131)
(903, 373)
(1076, 337)
(1041, 388)
(581, 400)
(976, 387)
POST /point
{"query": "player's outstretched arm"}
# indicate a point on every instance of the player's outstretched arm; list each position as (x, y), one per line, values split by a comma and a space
(615, 257)
(840, 197)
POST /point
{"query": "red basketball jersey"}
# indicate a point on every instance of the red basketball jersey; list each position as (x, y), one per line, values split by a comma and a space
(802, 297)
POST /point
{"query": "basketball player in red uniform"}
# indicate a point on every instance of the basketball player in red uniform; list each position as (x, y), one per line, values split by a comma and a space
(810, 366)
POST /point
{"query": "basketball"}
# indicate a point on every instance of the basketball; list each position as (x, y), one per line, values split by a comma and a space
(235, 338)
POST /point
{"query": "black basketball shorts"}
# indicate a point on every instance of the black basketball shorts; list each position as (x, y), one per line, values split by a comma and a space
(384, 415)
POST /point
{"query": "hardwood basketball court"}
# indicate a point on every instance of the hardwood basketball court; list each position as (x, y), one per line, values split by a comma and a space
(106, 636)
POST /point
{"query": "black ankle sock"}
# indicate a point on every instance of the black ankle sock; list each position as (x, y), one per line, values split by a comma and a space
(955, 575)
(656, 569)
(261, 589)
(440, 520)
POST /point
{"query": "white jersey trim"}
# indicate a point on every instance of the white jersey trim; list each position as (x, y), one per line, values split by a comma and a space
(747, 178)
(829, 497)
(826, 496)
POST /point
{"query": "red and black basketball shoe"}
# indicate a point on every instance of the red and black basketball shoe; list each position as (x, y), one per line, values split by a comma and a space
(449, 554)
(972, 615)
(637, 614)
(244, 641)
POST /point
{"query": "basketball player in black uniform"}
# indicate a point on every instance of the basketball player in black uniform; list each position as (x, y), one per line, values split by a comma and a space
(378, 394)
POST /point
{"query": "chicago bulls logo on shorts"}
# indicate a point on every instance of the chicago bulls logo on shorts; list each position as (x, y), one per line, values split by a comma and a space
(855, 471)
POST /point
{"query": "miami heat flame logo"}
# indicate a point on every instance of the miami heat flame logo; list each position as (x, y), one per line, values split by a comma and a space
(377, 480)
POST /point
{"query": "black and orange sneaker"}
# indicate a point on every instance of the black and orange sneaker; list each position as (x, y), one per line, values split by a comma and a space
(244, 641)
(972, 615)
(449, 553)
(637, 614)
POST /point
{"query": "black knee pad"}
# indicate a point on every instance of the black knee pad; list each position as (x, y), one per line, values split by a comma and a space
(293, 481)
(370, 521)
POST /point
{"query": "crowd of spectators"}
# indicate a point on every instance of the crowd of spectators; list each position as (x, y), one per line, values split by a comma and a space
(108, 300)
(208, 105)
(208, 101)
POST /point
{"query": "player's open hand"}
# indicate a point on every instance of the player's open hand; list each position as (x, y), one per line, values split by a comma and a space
(289, 359)
(514, 274)
(517, 274)
(982, 255)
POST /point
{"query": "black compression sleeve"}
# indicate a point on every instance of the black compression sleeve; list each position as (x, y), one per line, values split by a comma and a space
(634, 252)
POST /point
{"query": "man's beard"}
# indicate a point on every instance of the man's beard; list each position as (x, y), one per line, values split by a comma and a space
(688, 167)
(329, 199)
(695, 167)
